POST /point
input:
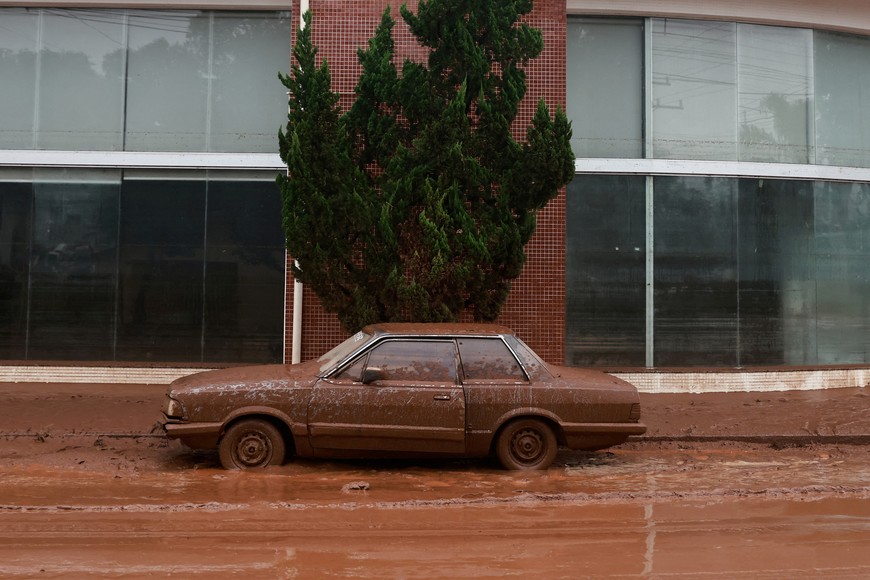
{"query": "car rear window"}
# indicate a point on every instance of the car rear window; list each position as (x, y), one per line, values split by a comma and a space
(488, 359)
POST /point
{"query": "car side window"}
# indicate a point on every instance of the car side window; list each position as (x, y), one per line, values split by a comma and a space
(488, 359)
(353, 372)
(412, 360)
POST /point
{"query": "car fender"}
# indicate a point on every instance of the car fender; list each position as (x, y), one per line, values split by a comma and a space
(530, 412)
(258, 411)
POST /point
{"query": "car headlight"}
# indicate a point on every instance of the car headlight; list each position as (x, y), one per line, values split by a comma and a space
(173, 408)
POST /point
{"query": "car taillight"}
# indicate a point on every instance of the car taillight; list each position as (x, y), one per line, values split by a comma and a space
(634, 413)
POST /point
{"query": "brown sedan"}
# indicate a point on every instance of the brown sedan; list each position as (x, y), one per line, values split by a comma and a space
(400, 390)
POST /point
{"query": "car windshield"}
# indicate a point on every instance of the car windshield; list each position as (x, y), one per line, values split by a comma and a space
(334, 356)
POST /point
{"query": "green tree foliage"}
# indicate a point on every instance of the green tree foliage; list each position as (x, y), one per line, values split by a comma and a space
(416, 203)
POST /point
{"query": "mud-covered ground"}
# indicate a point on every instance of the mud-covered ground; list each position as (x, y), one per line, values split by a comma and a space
(763, 485)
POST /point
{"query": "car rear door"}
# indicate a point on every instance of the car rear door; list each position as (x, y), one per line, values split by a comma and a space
(496, 384)
(402, 395)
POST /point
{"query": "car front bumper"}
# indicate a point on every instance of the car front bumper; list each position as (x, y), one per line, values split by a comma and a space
(194, 435)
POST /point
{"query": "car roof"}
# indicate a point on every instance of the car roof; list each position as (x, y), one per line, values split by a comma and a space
(436, 329)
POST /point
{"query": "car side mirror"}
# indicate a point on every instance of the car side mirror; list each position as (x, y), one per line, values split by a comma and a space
(372, 374)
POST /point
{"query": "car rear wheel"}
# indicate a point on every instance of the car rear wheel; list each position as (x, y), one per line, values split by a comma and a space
(252, 444)
(526, 444)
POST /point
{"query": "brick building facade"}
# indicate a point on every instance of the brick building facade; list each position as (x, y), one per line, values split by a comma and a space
(535, 308)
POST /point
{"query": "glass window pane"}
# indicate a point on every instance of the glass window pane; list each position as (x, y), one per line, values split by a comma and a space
(694, 93)
(605, 271)
(244, 276)
(773, 71)
(168, 81)
(161, 270)
(842, 87)
(74, 265)
(18, 33)
(842, 228)
(249, 50)
(605, 87)
(16, 201)
(488, 359)
(415, 361)
(777, 315)
(81, 80)
(695, 271)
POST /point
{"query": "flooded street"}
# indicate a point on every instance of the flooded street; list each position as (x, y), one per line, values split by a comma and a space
(139, 507)
(87, 489)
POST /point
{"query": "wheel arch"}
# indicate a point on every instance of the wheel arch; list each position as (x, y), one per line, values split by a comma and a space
(532, 413)
(278, 419)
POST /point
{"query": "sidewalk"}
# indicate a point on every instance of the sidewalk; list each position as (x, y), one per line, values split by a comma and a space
(68, 408)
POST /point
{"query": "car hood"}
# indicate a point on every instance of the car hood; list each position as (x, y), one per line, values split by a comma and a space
(246, 377)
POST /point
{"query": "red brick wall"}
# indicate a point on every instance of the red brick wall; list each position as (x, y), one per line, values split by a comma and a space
(536, 306)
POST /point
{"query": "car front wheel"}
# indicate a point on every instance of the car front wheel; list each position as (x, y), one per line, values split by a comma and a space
(526, 444)
(252, 444)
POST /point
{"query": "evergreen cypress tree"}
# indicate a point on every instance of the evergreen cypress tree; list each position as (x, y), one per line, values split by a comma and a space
(417, 202)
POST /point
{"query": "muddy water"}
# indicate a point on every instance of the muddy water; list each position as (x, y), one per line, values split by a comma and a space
(668, 511)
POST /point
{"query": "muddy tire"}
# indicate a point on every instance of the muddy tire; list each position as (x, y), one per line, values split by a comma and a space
(526, 444)
(252, 444)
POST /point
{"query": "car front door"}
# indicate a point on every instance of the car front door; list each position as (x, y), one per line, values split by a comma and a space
(402, 395)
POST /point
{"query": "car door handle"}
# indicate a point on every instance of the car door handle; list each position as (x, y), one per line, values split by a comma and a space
(441, 397)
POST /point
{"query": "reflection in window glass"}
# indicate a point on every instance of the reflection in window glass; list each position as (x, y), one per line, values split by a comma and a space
(695, 271)
(168, 81)
(605, 270)
(18, 50)
(63, 79)
(142, 80)
(162, 243)
(249, 48)
(244, 271)
(81, 80)
(415, 361)
(694, 92)
(776, 313)
(605, 87)
(773, 70)
(488, 359)
(74, 265)
(166, 269)
(842, 86)
(206, 81)
(16, 202)
(842, 227)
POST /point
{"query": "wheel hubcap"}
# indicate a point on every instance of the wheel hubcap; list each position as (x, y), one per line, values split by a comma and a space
(253, 449)
(528, 445)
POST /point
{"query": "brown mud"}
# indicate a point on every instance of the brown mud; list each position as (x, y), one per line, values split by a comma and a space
(89, 488)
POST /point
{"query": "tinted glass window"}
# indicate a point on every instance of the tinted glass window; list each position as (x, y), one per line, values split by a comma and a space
(488, 359)
(15, 220)
(415, 361)
(777, 264)
(244, 272)
(74, 268)
(696, 317)
(605, 270)
(150, 267)
(162, 242)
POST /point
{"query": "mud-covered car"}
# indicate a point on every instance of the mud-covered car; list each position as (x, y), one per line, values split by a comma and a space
(402, 390)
